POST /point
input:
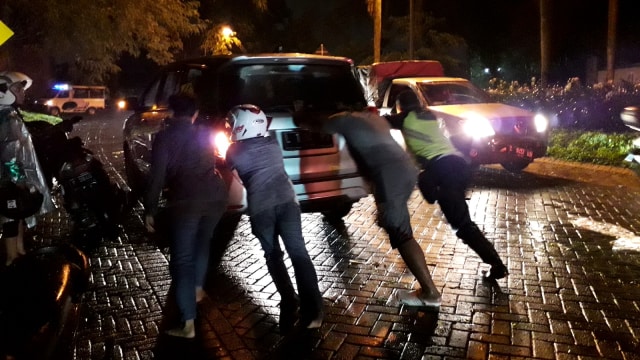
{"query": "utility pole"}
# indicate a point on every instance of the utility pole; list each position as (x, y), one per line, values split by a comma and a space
(411, 27)
(377, 29)
(544, 42)
(611, 39)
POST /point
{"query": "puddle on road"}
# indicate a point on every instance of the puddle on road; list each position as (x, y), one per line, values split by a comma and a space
(626, 240)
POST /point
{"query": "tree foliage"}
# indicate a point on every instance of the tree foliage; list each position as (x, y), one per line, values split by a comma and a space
(84, 38)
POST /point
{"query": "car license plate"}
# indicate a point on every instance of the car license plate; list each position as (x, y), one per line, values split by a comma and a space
(304, 140)
(521, 152)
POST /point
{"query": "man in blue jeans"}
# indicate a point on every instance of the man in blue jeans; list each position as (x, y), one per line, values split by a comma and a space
(274, 212)
(183, 161)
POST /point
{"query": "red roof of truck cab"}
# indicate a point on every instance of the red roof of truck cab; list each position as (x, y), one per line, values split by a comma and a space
(407, 68)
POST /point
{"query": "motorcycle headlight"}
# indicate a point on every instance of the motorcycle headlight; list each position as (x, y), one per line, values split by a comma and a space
(477, 126)
(541, 123)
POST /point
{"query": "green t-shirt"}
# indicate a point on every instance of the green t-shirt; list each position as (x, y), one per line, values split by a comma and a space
(424, 137)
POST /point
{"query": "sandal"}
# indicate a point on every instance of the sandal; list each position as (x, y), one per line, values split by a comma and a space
(413, 299)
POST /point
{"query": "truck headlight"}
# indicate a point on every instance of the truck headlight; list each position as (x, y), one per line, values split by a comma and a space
(541, 123)
(477, 126)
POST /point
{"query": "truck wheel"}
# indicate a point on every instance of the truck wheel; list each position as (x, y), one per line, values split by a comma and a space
(91, 111)
(515, 166)
(54, 111)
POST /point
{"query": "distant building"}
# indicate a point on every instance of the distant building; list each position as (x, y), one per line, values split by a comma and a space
(629, 74)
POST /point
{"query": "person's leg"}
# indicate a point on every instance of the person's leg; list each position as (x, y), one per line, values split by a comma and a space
(20, 238)
(10, 231)
(182, 268)
(263, 226)
(204, 237)
(290, 229)
(393, 216)
(455, 174)
(475, 239)
(428, 186)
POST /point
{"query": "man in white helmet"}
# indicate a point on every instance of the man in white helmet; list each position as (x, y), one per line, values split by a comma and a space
(274, 211)
(23, 188)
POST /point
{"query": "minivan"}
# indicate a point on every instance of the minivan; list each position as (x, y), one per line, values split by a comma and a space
(324, 175)
(66, 98)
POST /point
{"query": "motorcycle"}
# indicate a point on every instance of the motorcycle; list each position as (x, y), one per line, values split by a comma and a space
(41, 301)
(41, 290)
(93, 203)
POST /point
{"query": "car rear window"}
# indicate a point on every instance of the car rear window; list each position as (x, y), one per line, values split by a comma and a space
(276, 87)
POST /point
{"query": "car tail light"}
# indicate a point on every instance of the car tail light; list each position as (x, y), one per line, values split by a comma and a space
(373, 109)
(220, 141)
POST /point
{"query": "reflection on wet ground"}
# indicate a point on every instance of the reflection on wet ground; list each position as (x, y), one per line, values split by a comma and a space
(572, 291)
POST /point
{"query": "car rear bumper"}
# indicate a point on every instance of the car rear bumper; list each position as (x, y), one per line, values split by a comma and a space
(326, 195)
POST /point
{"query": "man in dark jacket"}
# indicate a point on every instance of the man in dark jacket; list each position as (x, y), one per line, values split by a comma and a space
(183, 162)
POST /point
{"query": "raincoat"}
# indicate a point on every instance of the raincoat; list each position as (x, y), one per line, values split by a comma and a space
(18, 160)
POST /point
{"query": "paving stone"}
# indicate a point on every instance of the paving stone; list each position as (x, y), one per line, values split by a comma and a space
(569, 295)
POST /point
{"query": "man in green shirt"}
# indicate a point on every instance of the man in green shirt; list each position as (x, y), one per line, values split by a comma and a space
(445, 176)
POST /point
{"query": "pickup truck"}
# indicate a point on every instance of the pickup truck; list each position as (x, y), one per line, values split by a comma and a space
(485, 131)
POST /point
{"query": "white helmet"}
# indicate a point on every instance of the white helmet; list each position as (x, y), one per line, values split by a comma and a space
(248, 121)
(8, 81)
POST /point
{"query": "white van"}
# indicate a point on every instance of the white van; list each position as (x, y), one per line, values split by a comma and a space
(66, 98)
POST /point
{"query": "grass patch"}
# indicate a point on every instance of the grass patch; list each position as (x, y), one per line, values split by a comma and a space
(590, 147)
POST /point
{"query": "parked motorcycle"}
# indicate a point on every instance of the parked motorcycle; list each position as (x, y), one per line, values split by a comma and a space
(40, 302)
(93, 202)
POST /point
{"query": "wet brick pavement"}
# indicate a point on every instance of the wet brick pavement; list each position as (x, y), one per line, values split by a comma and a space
(573, 292)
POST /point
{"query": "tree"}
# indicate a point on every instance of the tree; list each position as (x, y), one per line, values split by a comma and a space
(375, 10)
(83, 39)
(544, 42)
(611, 39)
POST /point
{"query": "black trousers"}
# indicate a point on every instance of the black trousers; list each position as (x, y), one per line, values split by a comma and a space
(445, 180)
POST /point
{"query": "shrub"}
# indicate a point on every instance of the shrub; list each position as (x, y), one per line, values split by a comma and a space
(573, 106)
(591, 147)
(585, 125)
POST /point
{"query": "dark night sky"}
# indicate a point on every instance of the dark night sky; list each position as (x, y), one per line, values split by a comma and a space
(579, 27)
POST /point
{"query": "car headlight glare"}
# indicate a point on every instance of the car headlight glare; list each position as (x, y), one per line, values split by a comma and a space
(541, 123)
(220, 141)
(477, 126)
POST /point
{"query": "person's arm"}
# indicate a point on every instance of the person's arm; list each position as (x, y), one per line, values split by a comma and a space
(395, 120)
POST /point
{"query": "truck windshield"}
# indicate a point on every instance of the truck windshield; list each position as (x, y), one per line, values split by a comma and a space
(279, 86)
(452, 93)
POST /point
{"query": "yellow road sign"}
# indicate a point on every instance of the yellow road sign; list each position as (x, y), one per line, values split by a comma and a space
(5, 33)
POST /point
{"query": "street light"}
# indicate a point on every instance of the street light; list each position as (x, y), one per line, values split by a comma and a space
(227, 32)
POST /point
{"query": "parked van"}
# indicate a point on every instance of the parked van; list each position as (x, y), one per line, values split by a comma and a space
(66, 98)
